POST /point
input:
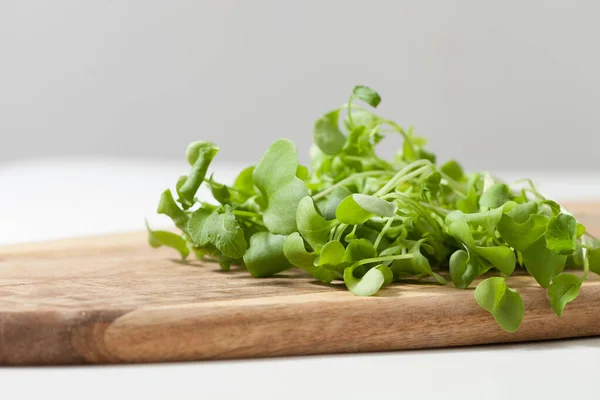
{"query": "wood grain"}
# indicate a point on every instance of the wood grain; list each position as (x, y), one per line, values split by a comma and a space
(115, 300)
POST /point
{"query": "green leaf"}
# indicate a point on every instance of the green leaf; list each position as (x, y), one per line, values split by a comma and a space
(220, 229)
(495, 196)
(327, 134)
(501, 257)
(195, 226)
(276, 168)
(370, 283)
(367, 95)
(580, 230)
(388, 276)
(561, 234)
(459, 228)
(332, 254)
(295, 252)
(332, 202)
(220, 192)
(244, 182)
(311, 225)
(169, 239)
(280, 214)
(418, 264)
(358, 143)
(358, 250)
(554, 206)
(542, 263)
(265, 256)
(563, 290)
(522, 212)
(504, 303)
(594, 259)
(487, 219)
(359, 208)
(453, 170)
(464, 267)
(275, 177)
(468, 204)
(302, 173)
(168, 207)
(522, 235)
(364, 118)
(199, 155)
(431, 184)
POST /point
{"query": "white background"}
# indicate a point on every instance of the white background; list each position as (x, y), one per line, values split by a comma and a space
(497, 85)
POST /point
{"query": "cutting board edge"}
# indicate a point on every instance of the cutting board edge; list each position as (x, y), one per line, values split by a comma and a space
(159, 334)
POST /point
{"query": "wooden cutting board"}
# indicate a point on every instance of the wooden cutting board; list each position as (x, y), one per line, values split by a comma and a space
(115, 300)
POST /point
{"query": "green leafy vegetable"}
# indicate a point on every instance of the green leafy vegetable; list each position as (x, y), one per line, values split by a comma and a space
(199, 154)
(564, 289)
(370, 282)
(495, 196)
(561, 234)
(504, 303)
(169, 239)
(265, 256)
(275, 177)
(311, 225)
(168, 207)
(332, 254)
(542, 263)
(295, 251)
(219, 229)
(453, 170)
(358, 208)
(327, 134)
(367, 95)
(369, 221)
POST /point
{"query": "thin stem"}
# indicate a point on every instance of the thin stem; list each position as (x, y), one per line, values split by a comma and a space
(442, 211)
(383, 258)
(340, 231)
(382, 233)
(352, 232)
(208, 206)
(347, 180)
(456, 186)
(243, 213)
(403, 175)
(432, 222)
(350, 111)
(396, 127)
(332, 233)
(586, 260)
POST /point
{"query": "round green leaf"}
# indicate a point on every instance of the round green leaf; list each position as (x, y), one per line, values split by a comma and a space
(561, 234)
(563, 290)
(369, 284)
(358, 208)
(265, 256)
(504, 303)
(327, 134)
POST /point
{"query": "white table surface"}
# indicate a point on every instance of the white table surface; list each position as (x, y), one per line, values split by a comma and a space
(57, 198)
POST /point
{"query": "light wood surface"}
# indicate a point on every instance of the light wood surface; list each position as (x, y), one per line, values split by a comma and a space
(115, 300)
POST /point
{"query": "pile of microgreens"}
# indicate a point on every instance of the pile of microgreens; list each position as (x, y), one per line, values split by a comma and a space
(356, 217)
